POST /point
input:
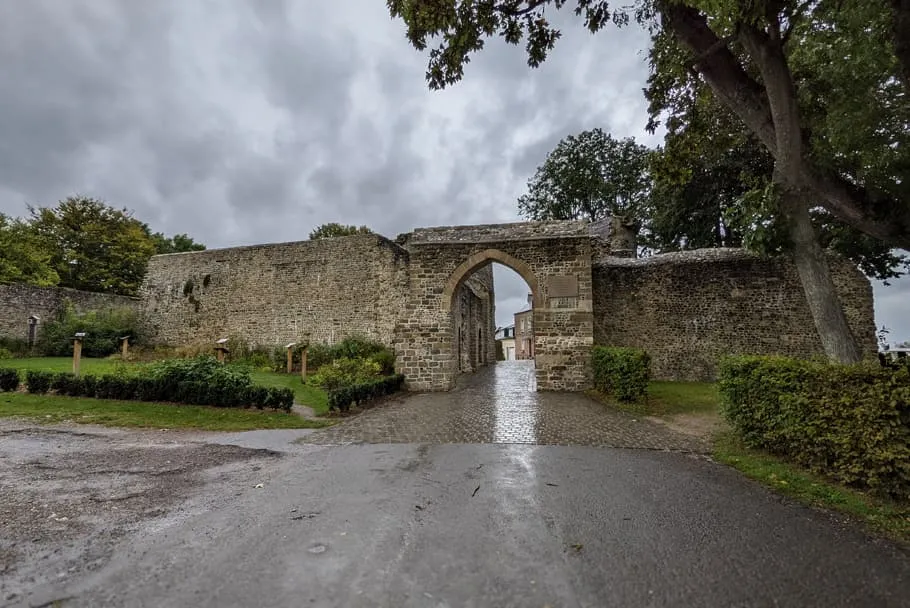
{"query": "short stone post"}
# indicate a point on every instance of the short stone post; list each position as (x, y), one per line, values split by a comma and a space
(221, 349)
(290, 348)
(77, 351)
(303, 363)
(124, 347)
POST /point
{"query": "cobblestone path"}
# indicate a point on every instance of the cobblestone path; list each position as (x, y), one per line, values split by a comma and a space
(498, 405)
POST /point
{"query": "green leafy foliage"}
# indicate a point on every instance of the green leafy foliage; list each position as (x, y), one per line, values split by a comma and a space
(333, 229)
(179, 243)
(201, 381)
(82, 243)
(848, 62)
(16, 347)
(589, 176)
(26, 258)
(38, 382)
(9, 379)
(345, 371)
(621, 372)
(361, 393)
(103, 331)
(849, 422)
(353, 347)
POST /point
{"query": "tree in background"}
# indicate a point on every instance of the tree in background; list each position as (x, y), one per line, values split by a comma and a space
(589, 176)
(82, 243)
(333, 229)
(179, 243)
(25, 258)
(94, 247)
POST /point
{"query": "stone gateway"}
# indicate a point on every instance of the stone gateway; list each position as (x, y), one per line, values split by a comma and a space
(430, 295)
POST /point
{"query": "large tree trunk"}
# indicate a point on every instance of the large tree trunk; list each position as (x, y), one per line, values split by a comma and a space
(815, 275)
(766, 48)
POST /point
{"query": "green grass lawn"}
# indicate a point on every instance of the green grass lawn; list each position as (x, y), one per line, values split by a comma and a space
(305, 394)
(671, 398)
(310, 396)
(51, 408)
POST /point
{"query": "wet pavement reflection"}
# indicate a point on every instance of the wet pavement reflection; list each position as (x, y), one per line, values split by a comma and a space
(498, 404)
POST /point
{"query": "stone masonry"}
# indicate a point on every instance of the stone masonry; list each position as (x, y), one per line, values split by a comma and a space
(430, 295)
(19, 302)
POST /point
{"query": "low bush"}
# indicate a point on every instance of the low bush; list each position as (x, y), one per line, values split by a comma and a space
(103, 331)
(621, 372)
(342, 398)
(345, 372)
(9, 379)
(11, 348)
(38, 382)
(201, 381)
(849, 422)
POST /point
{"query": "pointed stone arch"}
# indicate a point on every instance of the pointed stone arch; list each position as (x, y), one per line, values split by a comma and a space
(475, 261)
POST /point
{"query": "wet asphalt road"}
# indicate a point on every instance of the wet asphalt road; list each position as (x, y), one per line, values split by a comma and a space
(498, 525)
(421, 520)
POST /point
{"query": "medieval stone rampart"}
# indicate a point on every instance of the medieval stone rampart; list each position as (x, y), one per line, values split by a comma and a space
(275, 294)
(689, 308)
(19, 302)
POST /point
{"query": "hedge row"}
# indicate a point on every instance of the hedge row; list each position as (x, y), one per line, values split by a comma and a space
(9, 379)
(621, 372)
(168, 389)
(849, 422)
(342, 398)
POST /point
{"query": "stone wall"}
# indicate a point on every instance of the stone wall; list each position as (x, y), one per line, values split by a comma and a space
(689, 308)
(275, 294)
(19, 302)
(474, 318)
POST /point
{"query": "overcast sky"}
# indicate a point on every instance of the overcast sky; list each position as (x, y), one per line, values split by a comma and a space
(250, 121)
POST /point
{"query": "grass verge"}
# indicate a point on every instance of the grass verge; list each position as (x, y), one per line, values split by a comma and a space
(52, 408)
(304, 394)
(669, 399)
(883, 517)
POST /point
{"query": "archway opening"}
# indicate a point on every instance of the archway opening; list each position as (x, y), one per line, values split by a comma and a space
(514, 315)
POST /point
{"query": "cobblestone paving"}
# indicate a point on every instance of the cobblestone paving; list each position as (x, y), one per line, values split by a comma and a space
(498, 405)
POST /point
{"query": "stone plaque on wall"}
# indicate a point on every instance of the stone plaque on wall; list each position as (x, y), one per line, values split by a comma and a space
(565, 286)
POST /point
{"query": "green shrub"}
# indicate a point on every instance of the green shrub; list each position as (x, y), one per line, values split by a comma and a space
(850, 422)
(38, 382)
(341, 398)
(9, 379)
(621, 372)
(280, 398)
(16, 347)
(345, 371)
(103, 331)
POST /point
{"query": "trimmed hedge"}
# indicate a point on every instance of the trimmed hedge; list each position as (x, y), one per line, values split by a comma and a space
(849, 422)
(195, 382)
(9, 379)
(343, 397)
(621, 372)
(38, 382)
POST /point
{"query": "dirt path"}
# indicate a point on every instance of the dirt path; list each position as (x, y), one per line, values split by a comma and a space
(69, 493)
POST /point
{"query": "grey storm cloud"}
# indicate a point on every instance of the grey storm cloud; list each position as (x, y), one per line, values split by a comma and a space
(248, 121)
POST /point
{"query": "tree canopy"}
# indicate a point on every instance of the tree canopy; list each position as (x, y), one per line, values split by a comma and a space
(82, 243)
(821, 84)
(590, 175)
(333, 229)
